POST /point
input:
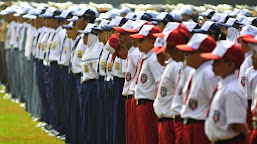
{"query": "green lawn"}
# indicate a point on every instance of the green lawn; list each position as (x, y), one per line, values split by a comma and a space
(17, 128)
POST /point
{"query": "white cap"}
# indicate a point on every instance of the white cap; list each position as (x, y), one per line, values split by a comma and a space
(249, 30)
(88, 28)
(187, 11)
(190, 25)
(216, 17)
(125, 10)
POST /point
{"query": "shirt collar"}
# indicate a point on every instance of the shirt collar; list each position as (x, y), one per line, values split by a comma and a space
(131, 49)
(149, 53)
(203, 66)
(227, 80)
(58, 29)
(248, 53)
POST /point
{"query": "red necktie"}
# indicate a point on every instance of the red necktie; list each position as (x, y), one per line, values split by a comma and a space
(140, 69)
(214, 92)
(188, 89)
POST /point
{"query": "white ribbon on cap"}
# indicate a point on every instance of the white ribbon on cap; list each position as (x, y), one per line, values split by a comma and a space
(139, 24)
(197, 40)
(146, 29)
(162, 15)
(231, 21)
(222, 47)
(64, 13)
(116, 22)
(249, 30)
(128, 25)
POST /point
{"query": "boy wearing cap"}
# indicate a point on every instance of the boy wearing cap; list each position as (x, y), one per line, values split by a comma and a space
(198, 88)
(168, 130)
(149, 74)
(130, 53)
(226, 114)
(162, 19)
(186, 14)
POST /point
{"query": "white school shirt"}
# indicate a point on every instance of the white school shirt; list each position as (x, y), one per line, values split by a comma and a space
(35, 41)
(55, 49)
(228, 106)
(29, 41)
(178, 99)
(250, 84)
(119, 68)
(131, 61)
(136, 73)
(103, 62)
(23, 32)
(80, 49)
(202, 86)
(16, 35)
(245, 65)
(49, 41)
(165, 92)
(7, 43)
(43, 44)
(64, 58)
(109, 65)
(148, 78)
(39, 47)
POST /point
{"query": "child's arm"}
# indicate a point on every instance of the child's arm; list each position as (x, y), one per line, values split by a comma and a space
(241, 128)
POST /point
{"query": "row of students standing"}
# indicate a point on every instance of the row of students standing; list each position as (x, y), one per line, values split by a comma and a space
(108, 83)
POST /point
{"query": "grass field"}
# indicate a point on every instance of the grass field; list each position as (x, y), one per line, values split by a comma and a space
(17, 128)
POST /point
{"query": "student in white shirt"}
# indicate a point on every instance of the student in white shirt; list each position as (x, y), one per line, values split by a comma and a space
(198, 88)
(168, 130)
(226, 114)
(146, 84)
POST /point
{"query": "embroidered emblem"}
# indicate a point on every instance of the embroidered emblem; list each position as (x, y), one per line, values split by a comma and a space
(243, 81)
(86, 69)
(54, 45)
(128, 76)
(143, 78)
(103, 65)
(65, 49)
(80, 53)
(216, 116)
(43, 46)
(193, 104)
(117, 66)
(109, 67)
(163, 91)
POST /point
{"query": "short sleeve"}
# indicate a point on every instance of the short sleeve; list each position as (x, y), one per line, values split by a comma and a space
(156, 69)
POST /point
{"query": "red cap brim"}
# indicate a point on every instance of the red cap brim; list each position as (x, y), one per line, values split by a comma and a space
(137, 36)
(131, 30)
(185, 47)
(250, 39)
(119, 29)
(161, 35)
(161, 50)
(243, 37)
(209, 56)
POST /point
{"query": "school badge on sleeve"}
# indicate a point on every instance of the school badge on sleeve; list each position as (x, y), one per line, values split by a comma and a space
(103, 65)
(109, 67)
(43, 46)
(216, 116)
(243, 81)
(163, 91)
(86, 69)
(80, 53)
(193, 104)
(54, 45)
(117, 66)
(143, 78)
(128, 76)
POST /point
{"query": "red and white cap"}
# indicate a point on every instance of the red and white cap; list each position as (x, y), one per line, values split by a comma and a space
(168, 28)
(252, 43)
(146, 31)
(248, 31)
(198, 42)
(227, 50)
(128, 25)
(113, 43)
(137, 27)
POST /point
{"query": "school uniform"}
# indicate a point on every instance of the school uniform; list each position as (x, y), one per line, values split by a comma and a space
(163, 101)
(198, 91)
(146, 84)
(228, 106)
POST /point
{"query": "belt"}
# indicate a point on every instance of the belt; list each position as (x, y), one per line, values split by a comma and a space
(177, 118)
(142, 101)
(129, 96)
(53, 62)
(189, 121)
(164, 119)
(117, 78)
(232, 140)
(101, 77)
(249, 102)
(62, 66)
(77, 74)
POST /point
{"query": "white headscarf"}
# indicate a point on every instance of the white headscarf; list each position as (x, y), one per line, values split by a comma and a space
(233, 34)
